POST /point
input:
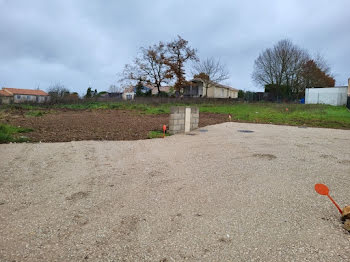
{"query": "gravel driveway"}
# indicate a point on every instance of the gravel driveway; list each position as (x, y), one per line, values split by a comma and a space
(215, 195)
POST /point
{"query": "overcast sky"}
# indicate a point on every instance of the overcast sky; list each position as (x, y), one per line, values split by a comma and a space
(82, 43)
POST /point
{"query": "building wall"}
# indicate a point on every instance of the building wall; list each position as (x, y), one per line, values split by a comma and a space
(23, 98)
(216, 92)
(5, 99)
(43, 99)
(30, 99)
(234, 94)
(128, 96)
(155, 91)
(336, 96)
(210, 91)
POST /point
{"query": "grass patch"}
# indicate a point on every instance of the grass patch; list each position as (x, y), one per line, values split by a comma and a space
(285, 114)
(34, 113)
(10, 133)
(156, 134)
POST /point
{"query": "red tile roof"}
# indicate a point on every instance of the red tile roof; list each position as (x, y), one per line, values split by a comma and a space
(4, 93)
(16, 91)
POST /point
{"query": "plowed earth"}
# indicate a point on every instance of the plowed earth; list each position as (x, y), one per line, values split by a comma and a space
(76, 125)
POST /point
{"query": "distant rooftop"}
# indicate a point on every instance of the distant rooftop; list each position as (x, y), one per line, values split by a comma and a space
(17, 91)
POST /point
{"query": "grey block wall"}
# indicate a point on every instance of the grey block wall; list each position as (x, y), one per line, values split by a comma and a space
(177, 119)
(194, 117)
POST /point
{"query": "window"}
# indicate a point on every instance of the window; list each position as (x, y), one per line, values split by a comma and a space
(28, 97)
(18, 97)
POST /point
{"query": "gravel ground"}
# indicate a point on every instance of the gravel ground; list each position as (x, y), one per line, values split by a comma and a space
(219, 195)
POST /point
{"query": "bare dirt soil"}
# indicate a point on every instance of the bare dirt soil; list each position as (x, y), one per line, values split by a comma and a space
(215, 195)
(76, 125)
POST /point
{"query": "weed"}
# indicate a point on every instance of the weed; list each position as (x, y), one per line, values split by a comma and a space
(156, 134)
(8, 133)
(34, 113)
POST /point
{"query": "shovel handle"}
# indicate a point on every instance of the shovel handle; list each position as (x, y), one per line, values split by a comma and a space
(340, 211)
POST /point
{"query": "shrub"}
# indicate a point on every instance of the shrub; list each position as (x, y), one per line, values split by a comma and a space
(240, 94)
(7, 132)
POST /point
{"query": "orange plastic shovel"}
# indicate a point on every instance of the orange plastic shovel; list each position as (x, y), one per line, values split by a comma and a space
(324, 190)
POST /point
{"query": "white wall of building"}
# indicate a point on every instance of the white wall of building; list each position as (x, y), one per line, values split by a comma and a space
(128, 95)
(336, 96)
(30, 98)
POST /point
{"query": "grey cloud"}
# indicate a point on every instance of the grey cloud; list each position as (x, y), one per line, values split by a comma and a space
(82, 43)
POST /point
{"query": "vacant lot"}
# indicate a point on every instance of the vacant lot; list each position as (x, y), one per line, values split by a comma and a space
(215, 195)
(66, 125)
(132, 121)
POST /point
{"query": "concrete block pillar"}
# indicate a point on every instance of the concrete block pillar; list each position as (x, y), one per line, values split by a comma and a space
(183, 119)
(187, 119)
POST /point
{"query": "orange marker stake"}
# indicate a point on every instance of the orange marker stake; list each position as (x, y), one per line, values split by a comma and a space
(324, 190)
(164, 129)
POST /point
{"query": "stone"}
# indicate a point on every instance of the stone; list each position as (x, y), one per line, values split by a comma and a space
(347, 225)
(346, 213)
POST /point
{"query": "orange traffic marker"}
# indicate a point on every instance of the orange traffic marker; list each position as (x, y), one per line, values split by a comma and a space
(164, 129)
(324, 190)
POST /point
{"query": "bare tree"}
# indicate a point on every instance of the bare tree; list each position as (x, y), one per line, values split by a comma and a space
(281, 66)
(322, 64)
(58, 92)
(213, 68)
(178, 53)
(115, 89)
(149, 66)
(210, 70)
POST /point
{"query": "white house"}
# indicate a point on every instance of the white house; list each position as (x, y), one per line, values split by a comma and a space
(15, 95)
(129, 93)
(201, 88)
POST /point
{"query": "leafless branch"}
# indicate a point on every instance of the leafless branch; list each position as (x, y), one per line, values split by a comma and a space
(213, 68)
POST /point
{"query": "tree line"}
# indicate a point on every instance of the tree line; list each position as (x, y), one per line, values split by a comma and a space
(284, 70)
